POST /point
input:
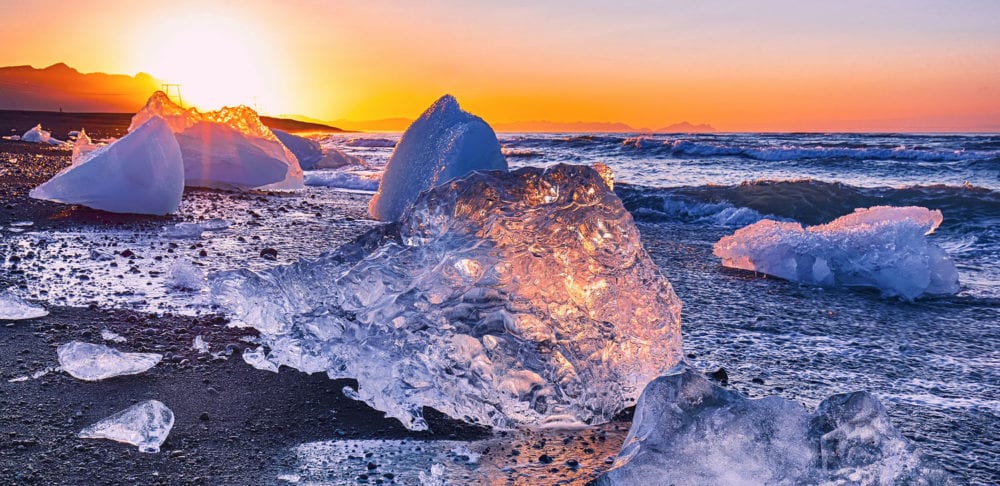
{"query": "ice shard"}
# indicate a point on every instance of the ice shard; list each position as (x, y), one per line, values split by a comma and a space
(82, 147)
(882, 247)
(145, 425)
(93, 362)
(336, 159)
(13, 308)
(225, 149)
(442, 144)
(688, 431)
(308, 152)
(38, 135)
(502, 298)
(141, 173)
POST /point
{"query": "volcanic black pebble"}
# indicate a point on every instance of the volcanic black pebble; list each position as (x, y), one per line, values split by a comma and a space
(269, 253)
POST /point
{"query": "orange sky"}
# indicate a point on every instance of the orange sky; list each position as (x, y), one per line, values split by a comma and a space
(775, 65)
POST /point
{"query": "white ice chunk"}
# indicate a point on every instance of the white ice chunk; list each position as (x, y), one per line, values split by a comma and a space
(502, 298)
(184, 275)
(145, 424)
(257, 359)
(142, 173)
(38, 135)
(82, 147)
(442, 144)
(93, 362)
(687, 431)
(112, 336)
(307, 151)
(882, 247)
(13, 308)
(199, 345)
(225, 149)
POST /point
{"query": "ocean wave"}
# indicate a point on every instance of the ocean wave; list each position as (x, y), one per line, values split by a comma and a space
(371, 142)
(966, 208)
(770, 153)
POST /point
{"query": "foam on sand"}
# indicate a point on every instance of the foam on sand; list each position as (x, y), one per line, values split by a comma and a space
(881, 247)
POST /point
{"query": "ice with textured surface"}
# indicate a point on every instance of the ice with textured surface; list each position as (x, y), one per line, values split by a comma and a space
(145, 425)
(93, 362)
(184, 275)
(502, 298)
(38, 135)
(337, 159)
(442, 144)
(142, 173)
(882, 247)
(688, 431)
(225, 149)
(82, 147)
(13, 308)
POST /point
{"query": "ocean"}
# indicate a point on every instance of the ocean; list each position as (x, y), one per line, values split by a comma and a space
(934, 363)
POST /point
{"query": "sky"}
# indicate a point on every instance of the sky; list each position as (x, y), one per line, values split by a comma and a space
(767, 65)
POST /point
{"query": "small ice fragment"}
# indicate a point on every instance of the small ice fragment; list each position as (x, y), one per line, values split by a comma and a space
(34, 376)
(82, 148)
(145, 424)
(335, 159)
(112, 336)
(183, 230)
(215, 224)
(290, 478)
(199, 345)
(434, 477)
(22, 224)
(13, 308)
(351, 393)
(38, 135)
(92, 362)
(444, 143)
(257, 359)
(183, 275)
(464, 451)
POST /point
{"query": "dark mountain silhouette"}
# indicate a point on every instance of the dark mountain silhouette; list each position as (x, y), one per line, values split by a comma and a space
(685, 127)
(62, 87)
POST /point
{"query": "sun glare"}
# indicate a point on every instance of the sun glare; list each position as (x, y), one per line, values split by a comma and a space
(216, 59)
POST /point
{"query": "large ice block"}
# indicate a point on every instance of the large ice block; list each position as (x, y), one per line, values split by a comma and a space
(225, 149)
(882, 247)
(687, 431)
(442, 144)
(521, 298)
(145, 424)
(141, 173)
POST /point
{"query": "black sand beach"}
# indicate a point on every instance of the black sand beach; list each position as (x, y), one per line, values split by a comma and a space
(234, 424)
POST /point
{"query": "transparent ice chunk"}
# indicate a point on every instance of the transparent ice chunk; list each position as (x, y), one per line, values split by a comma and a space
(13, 308)
(521, 298)
(688, 431)
(882, 247)
(145, 424)
(92, 362)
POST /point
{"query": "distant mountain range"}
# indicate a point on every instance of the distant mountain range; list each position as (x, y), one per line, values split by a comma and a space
(62, 88)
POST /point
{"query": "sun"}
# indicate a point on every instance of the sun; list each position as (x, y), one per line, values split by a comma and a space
(217, 59)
